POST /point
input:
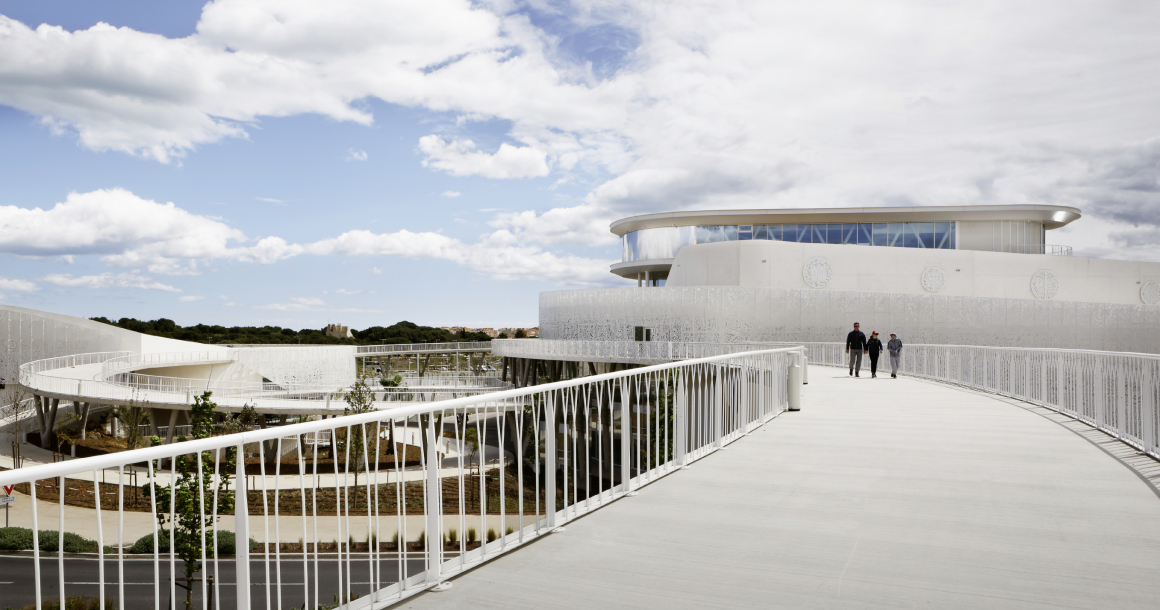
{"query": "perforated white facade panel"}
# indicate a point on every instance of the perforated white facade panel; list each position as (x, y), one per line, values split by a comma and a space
(737, 314)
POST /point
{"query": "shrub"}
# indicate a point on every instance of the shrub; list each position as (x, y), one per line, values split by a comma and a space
(75, 602)
(491, 535)
(472, 536)
(422, 542)
(453, 536)
(508, 532)
(227, 543)
(395, 540)
(20, 539)
(15, 539)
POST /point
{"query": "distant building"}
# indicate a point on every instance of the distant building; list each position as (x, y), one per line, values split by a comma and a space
(342, 332)
(452, 329)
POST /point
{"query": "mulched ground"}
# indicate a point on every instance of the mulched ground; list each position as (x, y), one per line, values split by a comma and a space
(391, 499)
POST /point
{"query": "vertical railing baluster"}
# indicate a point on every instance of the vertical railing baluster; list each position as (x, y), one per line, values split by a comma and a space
(434, 536)
(241, 531)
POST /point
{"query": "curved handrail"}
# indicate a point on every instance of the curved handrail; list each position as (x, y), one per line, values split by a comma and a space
(48, 471)
(395, 348)
(1116, 392)
(704, 405)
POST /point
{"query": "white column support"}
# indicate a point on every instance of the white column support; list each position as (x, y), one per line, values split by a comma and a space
(795, 387)
(434, 536)
(242, 532)
(551, 430)
(85, 418)
(680, 420)
(625, 436)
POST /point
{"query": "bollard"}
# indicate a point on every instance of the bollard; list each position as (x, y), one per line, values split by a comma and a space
(805, 370)
(795, 387)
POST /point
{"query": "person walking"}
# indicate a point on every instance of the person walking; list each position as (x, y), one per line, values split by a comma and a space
(873, 348)
(894, 347)
(855, 346)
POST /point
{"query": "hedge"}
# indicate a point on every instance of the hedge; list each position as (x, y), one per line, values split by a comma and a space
(20, 539)
(227, 543)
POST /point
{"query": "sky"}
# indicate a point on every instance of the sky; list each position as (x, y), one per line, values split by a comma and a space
(251, 162)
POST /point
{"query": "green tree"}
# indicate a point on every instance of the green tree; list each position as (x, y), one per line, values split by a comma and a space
(359, 399)
(520, 334)
(187, 519)
(132, 416)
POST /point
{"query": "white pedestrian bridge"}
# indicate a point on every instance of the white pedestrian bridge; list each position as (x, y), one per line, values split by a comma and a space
(981, 478)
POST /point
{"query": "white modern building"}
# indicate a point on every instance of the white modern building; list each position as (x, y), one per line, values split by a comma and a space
(973, 275)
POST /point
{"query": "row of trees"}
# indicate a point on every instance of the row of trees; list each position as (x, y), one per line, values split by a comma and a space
(401, 332)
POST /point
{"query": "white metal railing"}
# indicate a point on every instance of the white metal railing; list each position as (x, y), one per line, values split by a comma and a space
(1037, 249)
(636, 352)
(412, 348)
(311, 391)
(64, 362)
(129, 361)
(118, 384)
(473, 478)
(1116, 392)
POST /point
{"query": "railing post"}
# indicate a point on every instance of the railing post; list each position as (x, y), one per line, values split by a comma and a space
(1147, 409)
(794, 383)
(241, 532)
(625, 436)
(680, 405)
(1121, 397)
(434, 537)
(550, 432)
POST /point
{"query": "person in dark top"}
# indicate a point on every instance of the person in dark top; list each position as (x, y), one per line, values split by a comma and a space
(855, 346)
(873, 349)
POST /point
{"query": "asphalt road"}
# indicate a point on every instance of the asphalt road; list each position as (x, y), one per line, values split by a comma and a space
(17, 580)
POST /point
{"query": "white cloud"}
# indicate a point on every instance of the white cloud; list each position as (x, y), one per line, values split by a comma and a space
(727, 104)
(498, 255)
(119, 89)
(347, 292)
(18, 285)
(451, 194)
(189, 299)
(297, 304)
(376, 271)
(357, 155)
(310, 304)
(108, 280)
(270, 200)
(127, 231)
(459, 158)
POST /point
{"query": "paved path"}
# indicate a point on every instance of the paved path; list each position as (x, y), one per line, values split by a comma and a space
(880, 494)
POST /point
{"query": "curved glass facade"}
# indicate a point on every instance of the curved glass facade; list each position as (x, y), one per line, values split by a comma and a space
(664, 242)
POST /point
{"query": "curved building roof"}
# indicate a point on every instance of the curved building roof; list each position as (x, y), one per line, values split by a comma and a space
(1052, 216)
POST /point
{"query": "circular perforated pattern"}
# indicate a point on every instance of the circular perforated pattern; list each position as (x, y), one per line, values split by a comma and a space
(1044, 284)
(818, 272)
(933, 279)
(1150, 293)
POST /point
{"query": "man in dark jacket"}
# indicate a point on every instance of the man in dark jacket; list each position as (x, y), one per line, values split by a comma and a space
(855, 346)
(873, 348)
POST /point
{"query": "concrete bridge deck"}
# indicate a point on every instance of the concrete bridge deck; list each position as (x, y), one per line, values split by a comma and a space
(880, 494)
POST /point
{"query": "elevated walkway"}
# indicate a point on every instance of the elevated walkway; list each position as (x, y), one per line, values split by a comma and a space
(881, 493)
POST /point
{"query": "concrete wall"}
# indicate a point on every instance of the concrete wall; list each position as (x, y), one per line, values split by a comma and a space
(998, 275)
